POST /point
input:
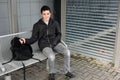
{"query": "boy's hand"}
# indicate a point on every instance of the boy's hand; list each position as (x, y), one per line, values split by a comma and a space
(22, 40)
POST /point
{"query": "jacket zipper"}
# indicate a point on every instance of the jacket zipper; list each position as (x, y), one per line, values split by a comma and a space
(48, 37)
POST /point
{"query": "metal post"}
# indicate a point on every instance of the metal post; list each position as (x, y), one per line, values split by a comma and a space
(14, 16)
(63, 19)
(117, 42)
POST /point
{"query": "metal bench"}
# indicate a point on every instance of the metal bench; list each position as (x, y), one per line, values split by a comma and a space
(6, 55)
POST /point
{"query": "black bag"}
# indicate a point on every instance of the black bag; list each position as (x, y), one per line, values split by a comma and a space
(20, 51)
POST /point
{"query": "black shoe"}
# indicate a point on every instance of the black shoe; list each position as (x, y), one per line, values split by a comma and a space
(70, 75)
(51, 76)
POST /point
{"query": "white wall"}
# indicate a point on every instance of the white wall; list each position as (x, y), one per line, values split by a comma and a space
(29, 12)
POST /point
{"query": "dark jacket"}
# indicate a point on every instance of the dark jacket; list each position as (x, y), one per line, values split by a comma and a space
(47, 35)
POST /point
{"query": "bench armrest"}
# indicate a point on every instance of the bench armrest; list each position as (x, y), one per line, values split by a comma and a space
(64, 43)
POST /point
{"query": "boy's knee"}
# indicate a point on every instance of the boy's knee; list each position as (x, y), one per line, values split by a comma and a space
(67, 52)
(52, 57)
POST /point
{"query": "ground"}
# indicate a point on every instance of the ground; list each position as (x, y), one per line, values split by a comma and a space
(83, 68)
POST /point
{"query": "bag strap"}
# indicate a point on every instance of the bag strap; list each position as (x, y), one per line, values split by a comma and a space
(37, 59)
(8, 61)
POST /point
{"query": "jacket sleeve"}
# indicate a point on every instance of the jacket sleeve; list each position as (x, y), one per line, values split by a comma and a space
(34, 36)
(58, 33)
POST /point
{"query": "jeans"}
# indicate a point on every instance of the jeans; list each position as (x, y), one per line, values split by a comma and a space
(60, 48)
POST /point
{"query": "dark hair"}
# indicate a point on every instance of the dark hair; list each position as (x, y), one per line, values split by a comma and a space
(44, 8)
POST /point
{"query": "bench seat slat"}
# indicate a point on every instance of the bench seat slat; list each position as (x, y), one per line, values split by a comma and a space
(39, 55)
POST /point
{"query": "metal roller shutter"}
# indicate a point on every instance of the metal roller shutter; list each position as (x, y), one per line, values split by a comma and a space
(91, 26)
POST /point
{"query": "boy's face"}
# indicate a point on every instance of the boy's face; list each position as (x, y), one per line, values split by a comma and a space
(46, 15)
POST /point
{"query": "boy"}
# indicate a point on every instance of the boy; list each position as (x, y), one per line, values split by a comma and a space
(48, 34)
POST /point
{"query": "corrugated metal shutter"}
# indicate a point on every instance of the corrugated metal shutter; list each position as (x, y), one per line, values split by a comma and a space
(91, 26)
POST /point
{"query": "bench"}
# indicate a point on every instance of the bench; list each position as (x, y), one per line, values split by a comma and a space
(6, 55)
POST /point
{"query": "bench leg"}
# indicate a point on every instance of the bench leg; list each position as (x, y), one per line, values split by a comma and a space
(8, 77)
(47, 65)
(2, 67)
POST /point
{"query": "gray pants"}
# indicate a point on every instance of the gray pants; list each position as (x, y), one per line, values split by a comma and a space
(60, 48)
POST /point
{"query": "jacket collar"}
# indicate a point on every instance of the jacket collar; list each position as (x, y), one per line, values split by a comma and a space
(49, 23)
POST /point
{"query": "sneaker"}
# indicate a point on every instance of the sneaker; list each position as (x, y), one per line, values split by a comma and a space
(51, 76)
(70, 75)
